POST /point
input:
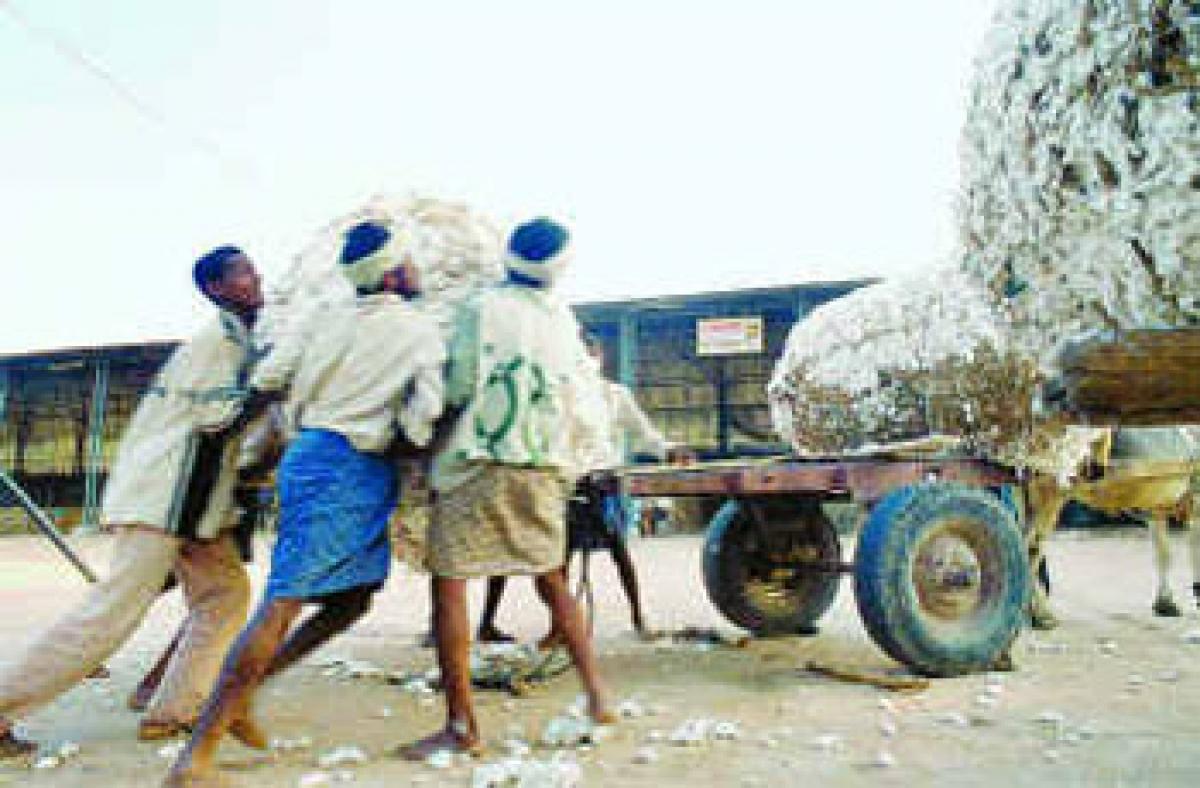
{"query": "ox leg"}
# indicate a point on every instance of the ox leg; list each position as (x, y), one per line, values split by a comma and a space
(1189, 510)
(1045, 504)
(1164, 602)
(1194, 548)
(1193, 538)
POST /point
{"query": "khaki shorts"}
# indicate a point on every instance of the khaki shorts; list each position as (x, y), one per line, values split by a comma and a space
(503, 521)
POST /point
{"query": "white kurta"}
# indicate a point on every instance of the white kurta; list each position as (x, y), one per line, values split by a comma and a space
(514, 363)
(369, 369)
(200, 387)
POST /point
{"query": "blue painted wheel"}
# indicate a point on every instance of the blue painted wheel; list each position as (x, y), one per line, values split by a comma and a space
(941, 578)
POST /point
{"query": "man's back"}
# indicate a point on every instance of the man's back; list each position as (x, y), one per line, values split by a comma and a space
(513, 358)
(198, 387)
(371, 364)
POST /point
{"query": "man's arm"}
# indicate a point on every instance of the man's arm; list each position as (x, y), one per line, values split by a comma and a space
(276, 370)
(270, 379)
(423, 399)
(633, 423)
(462, 359)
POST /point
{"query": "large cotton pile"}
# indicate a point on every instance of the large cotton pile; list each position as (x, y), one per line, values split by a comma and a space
(1080, 201)
(886, 363)
(905, 359)
(1080, 209)
(459, 250)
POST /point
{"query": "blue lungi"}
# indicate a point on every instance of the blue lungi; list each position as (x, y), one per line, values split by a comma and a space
(334, 506)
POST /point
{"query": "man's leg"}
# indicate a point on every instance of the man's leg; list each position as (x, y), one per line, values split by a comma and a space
(241, 674)
(487, 632)
(217, 592)
(337, 613)
(554, 638)
(452, 630)
(629, 582)
(82, 639)
(614, 510)
(567, 621)
(144, 692)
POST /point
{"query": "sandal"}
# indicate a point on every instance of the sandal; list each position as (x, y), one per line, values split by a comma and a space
(158, 730)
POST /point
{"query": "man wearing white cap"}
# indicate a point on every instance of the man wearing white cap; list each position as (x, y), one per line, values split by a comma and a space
(502, 477)
(369, 376)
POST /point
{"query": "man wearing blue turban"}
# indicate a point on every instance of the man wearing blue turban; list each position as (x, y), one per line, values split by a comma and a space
(368, 376)
(502, 476)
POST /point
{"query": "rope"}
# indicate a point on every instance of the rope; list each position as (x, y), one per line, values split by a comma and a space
(119, 89)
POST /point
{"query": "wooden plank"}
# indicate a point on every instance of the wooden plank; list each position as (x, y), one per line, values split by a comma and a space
(1145, 377)
(862, 479)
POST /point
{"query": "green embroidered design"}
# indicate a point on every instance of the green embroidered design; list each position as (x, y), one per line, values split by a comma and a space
(504, 377)
(514, 391)
(539, 398)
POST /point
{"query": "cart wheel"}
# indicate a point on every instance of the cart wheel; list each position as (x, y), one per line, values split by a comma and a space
(941, 578)
(771, 567)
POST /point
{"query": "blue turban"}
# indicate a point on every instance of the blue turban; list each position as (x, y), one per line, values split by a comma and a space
(361, 240)
(371, 249)
(211, 266)
(537, 251)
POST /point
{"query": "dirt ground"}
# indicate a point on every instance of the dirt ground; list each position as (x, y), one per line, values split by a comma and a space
(1111, 698)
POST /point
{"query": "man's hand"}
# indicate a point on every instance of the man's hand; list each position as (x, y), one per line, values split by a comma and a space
(681, 455)
(253, 406)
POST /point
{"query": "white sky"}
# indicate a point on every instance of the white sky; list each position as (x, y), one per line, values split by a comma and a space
(691, 145)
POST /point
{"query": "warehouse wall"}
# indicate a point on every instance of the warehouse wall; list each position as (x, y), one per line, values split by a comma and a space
(58, 444)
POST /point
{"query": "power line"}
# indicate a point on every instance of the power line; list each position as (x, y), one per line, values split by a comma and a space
(117, 87)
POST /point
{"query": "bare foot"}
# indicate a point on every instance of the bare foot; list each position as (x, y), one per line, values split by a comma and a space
(11, 746)
(446, 739)
(551, 640)
(250, 733)
(603, 716)
(493, 635)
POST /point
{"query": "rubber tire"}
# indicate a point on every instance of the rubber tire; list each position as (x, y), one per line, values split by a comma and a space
(725, 574)
(887, 599)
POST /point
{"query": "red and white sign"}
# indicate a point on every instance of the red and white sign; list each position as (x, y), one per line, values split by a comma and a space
(728, 336)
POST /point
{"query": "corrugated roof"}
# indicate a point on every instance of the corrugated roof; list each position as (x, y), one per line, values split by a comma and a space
(58, 355)
(682, 299)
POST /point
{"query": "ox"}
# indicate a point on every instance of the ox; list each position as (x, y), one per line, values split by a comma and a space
(1150, 470)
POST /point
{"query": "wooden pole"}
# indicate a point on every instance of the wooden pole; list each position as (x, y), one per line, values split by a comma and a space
(44, 524)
